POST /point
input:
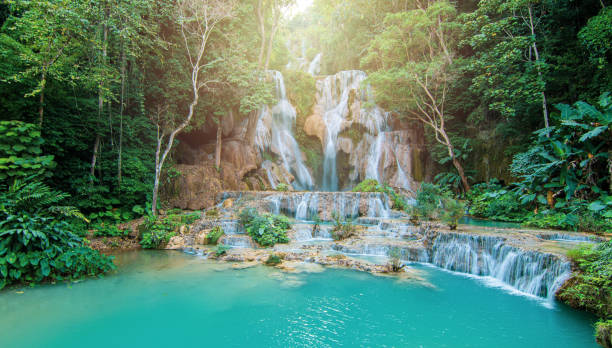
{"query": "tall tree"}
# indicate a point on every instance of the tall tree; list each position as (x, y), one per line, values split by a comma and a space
(197, 20)
(49, 29)
(411, 61)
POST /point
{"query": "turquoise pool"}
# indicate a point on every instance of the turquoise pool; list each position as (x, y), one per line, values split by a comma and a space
(171, 299)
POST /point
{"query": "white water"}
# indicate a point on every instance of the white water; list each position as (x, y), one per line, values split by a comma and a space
(314, 68)
(308, 205)
(535, 273)
(333, 98)
(276, 135)
(374, 156)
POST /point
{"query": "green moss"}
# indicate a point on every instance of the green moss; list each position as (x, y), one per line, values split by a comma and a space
(591, 286)
(355, 132)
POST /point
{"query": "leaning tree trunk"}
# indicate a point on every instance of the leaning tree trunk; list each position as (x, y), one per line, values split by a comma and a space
(461, 174)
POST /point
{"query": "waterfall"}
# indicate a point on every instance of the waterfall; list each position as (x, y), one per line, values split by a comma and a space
(308, 205)
(535, 273)
(342, 102)
(315, 66)
(276, 135)
(402, 179)
(374, 155)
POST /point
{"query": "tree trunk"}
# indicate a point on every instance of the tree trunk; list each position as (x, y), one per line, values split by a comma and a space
(158, 167)
(252, 128)
(271, 39)
(121, 108)
(537, 57)
(262, 31)
(100, 105)
(219, 143)
(92, 172)
(461, 174)
(41, 105)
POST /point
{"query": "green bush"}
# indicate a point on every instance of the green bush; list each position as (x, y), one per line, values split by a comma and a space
(37, 242)
(213, 236)
(453, 211)
(603, 332)
(109, 230)
(221, 250)
(266, 229)
(343, 228)
(429, 199)
(273, 260)
(492, 201)
(157, 231)
(372, 185)
(20, 151)
(394, 264)
(591, 287)
(282, 187)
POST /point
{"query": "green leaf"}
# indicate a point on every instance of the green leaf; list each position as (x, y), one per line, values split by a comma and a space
(44, 267)
(596, 206)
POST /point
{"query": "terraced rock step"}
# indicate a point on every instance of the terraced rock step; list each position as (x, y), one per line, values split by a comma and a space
(308, 205)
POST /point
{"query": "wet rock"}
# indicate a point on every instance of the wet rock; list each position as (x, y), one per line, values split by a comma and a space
(176, 243)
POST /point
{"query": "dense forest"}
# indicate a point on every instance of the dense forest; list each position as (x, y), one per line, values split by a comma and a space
(103, 103)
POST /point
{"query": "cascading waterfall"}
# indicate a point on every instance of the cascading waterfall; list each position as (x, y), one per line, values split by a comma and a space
(374, 156)
(402, 179)
(307, 205)
(315, 66)
(278, 136)
(535, 273)
(334, 96)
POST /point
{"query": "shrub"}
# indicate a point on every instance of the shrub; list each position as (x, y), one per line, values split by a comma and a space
(273, 260)
(213, 236)
(36, 237)
(591, 287)
(395, 264)
(282, 187)
(603, 332)
(372, 185)
(20, 151)
(429, 200)
(343, 228)
(158, 231)
(453, 211)
(492, 201)
(266, 229)
(109, 230)
(221, 250)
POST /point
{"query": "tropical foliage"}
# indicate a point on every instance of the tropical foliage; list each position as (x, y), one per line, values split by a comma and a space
(343, 228)
(591, 288)
(265, 229)
(37, 240)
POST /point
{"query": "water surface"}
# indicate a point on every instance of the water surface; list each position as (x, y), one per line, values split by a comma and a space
(171, 299)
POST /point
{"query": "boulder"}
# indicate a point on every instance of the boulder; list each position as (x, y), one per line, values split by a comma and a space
(176, 242)
(195, 189)
(345, 145)
(315, 126)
